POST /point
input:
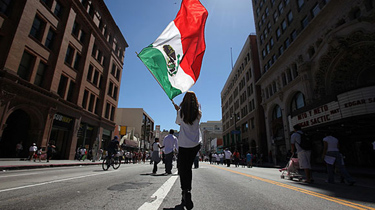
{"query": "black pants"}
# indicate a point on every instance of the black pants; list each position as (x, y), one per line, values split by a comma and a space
(228, 162)
(155, 169)
(168, 162)
(185, 161)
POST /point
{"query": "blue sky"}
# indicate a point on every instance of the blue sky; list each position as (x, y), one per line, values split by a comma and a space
(228, 24)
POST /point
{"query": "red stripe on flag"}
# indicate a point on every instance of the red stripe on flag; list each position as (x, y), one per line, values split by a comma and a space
(190, 21)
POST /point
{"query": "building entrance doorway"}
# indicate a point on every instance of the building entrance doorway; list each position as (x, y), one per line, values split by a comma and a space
(16, 129)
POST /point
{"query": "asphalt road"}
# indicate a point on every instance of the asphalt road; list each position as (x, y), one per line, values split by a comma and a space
(214, 187)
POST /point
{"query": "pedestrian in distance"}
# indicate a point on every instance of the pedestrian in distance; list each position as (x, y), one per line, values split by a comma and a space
(19, 149)
(51, 150)
(189, 143)
(236, 156)
(249, 160)
(113, 146)
(32, 151)
(332, 156)
(228, 156)
(170, 147)
(155, 157)
(304, 156)
(38, 154)
(196, 161)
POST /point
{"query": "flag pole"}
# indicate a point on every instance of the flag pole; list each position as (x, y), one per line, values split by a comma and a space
(154, 77)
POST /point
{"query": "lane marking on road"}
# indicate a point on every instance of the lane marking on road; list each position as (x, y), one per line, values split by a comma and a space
(13, 175)
(309, 192)
(160, 194)
(54, 181)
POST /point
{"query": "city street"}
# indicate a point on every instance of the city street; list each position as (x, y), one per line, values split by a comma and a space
(214, 187)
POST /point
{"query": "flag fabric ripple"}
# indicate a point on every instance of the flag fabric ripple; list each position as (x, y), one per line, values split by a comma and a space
(175, 57)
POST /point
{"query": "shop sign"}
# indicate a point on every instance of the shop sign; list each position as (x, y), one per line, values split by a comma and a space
(349, 104)
(62, 120)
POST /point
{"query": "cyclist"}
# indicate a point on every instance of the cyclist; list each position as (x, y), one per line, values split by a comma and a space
(113, 146)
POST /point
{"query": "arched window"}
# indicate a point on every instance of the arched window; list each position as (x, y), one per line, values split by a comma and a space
(276, 113)
(298, 101)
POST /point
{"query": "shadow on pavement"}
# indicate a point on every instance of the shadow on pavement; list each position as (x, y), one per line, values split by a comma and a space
(178, 207)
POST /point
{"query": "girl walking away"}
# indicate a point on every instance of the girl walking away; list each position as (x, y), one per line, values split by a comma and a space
(188, 117)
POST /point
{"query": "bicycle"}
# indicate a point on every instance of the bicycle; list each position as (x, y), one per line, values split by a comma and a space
(114, 161)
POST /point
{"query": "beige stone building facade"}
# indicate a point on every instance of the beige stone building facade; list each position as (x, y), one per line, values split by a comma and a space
(242, 115)
(60, 69)
(137, 121)
(318, 60)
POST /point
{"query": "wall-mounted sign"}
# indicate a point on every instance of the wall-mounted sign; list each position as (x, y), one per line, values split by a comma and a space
(349, 104)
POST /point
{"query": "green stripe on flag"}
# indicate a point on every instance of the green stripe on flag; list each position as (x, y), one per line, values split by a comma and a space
(156, 64)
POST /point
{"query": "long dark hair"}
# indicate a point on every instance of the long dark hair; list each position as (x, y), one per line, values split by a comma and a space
(189, 108)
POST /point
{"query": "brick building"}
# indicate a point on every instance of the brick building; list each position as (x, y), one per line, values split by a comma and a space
(60, 71)
(318, 59)
(242, 115)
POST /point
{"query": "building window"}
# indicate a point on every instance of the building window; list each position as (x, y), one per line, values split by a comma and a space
(89, 73)
(295, 71)
(48, 3)
(290, 17)
(112, 113)
(315, 10)
(50, 38)
(298, 102)
(62, 86)
(97, 106)
(91, 102)
(300, 3)
(289, 74)
(305, 22)
(287, 43)
(275, 16)
(293, 35)
(107, 109)
(77, 60)
(58, 9)
(84, 100)
(82, 36)
(271, 42)
(281, 50)
(75, 29)
(26, 65)
(278, 33)
(276, 113)
(69, 55)
(283, 77)
(267, 12)
(69, 97)
(283, 25)
(37, 28)
(96, 77)
(281, 8)
(5, 6)
(40, 74)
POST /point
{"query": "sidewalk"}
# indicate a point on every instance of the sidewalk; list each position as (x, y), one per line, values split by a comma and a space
(15, 164)
(355, 171)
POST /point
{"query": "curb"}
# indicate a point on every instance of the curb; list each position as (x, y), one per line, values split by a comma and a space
(17, 167)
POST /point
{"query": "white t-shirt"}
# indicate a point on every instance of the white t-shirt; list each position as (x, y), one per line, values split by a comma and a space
(296, 140)
(190, 135)
(155, 146)
(227, 154)
(33, 148)
(332, 143)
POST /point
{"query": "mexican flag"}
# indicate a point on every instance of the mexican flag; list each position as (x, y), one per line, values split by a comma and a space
(175, 58)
